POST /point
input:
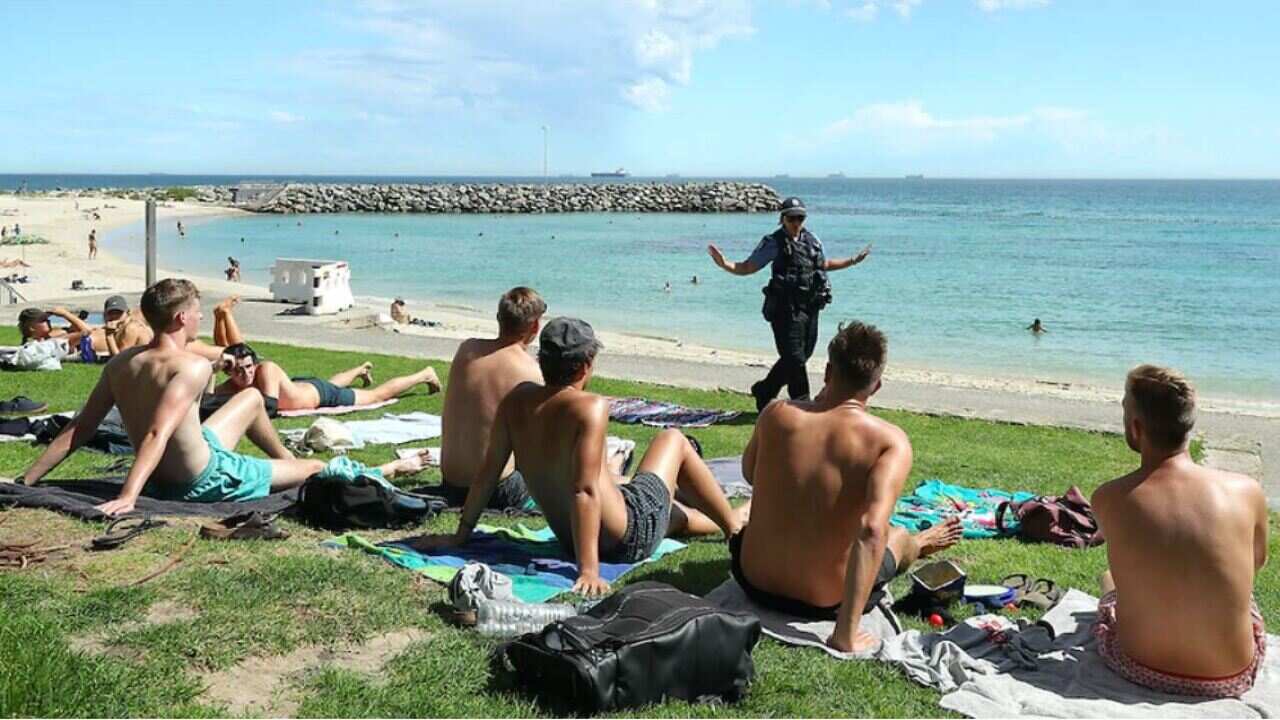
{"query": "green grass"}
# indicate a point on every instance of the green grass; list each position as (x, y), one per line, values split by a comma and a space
(265, 599)
(178, 193)
(24, 239)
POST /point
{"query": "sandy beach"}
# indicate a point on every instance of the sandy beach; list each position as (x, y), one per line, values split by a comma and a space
(1237, 430)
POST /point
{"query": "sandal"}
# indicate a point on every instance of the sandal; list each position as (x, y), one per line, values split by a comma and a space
(252, 525)
(123, 529)
(1043, 594)
(1019, 583)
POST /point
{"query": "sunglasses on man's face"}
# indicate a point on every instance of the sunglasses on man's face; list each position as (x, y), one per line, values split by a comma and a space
(793, 218)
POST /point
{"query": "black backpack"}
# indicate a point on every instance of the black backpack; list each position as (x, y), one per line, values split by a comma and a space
(363, 503)
(647, 642)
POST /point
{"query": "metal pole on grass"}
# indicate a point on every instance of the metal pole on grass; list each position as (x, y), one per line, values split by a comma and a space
(151, 243)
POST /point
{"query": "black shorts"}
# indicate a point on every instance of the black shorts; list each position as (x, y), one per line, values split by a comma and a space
(791, 606)
(511, 494)
(330, 395)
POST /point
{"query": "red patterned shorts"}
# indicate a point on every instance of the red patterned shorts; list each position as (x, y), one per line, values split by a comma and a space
(1133, 671)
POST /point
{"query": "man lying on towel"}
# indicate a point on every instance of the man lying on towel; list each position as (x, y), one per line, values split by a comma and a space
(482, 373)
(1184, 543)
(156, 387)
(245, 371)
(557, 434)
(826, 475)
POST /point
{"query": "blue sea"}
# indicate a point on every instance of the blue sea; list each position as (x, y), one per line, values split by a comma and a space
(1184, 273)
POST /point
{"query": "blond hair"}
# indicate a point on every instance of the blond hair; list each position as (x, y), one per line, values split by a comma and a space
(1165, 401)
(162, 301)
(519, 308)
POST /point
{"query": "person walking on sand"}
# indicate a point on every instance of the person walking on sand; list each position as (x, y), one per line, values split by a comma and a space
(182, 232)
(796, 293)
(93, 244)
(233, 269)
(1036, 328)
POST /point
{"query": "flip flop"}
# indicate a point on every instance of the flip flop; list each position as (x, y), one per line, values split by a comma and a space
(123, 529)
(1018, 583)
(1043, 594)
(252, 525)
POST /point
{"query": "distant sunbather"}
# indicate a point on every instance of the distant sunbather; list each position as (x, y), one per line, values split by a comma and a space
(14, 263)
(399, 312)
(482, 373)
(233, 268)
(245, 370)
(1185, 544)
(557, 434)
(826, 476)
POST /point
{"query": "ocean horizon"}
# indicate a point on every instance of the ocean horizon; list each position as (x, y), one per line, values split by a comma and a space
(1183, 273)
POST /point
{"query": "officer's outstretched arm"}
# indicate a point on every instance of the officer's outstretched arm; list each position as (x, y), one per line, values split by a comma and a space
(746, 267)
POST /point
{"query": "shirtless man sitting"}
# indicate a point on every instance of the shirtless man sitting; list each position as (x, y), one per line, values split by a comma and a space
(157, 388)
(1184, 543)
(557, 433)
(482, 373)
(826, 476)
(308, 393)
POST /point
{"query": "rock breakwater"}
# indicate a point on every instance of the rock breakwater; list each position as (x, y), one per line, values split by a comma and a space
(525, 198)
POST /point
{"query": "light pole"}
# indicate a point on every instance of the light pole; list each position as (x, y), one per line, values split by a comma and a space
(544, 152)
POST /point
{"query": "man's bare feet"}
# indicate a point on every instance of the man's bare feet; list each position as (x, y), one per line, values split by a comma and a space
(366, 374)
(227, 304)
(429, 378)
(406, 466)
(939, 537)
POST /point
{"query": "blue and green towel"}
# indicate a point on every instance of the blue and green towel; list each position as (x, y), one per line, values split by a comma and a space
(539, 569)
(934, 501)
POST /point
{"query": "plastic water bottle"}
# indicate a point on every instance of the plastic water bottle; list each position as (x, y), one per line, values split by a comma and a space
(509, 618)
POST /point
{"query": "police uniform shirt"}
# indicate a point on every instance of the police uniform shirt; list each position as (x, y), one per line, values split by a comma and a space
(771, 244)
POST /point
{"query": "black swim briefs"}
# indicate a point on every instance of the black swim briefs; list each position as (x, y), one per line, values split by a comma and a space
(791, 606)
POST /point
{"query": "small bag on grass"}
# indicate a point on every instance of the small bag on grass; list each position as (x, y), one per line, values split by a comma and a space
(363, 502)
(647, 642)
(1067, 520)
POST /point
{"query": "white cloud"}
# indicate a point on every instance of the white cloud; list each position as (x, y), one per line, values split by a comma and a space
(998, 5)
(866, 12)
(284, 118)
(908, 126)
(544, 59)
(650, 94)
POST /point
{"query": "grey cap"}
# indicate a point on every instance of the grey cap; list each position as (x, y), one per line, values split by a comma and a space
(564, 337)
(115, 302)
(793, 206)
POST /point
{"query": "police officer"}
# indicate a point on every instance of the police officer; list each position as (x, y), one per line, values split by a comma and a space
(796, 293)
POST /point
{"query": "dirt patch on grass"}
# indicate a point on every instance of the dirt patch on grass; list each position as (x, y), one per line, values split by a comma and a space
(160, 613)
(261, 685)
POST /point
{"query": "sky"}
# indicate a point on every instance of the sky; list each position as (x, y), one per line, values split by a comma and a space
(868, 88)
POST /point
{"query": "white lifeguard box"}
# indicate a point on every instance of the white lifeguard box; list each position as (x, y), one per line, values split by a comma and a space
(323, 286)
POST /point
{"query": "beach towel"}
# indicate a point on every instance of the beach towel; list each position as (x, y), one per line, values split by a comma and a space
(390, 429)
(728, 474)
(803, 632)
(934, 501)
(78, 497)
(664, 414)
(1052, 670)
(538, 567)
(343, 410)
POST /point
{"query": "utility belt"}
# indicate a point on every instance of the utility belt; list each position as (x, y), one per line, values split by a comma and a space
(784, 297)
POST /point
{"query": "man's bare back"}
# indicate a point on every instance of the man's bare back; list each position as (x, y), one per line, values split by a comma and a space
(547, 430)
(1184, 543)
(483, 372)
(809, 466)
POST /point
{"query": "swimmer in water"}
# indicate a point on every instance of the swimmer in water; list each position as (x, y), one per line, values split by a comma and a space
(1036, 328)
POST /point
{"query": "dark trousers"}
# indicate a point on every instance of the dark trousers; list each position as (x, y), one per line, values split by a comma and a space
(795, 335)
